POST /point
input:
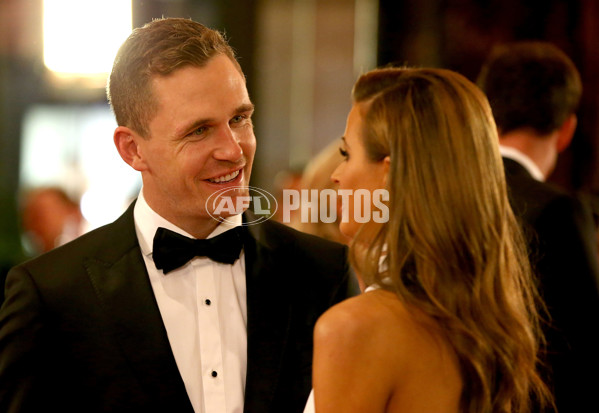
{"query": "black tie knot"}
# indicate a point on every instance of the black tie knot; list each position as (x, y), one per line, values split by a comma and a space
(172, 250)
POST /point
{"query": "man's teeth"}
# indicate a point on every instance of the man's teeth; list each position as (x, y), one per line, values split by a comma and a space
(225, 178)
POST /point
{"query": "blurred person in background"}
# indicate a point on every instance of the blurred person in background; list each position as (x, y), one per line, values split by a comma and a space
(534, 90)
(286, 180)
(50, 218)
(317, 176)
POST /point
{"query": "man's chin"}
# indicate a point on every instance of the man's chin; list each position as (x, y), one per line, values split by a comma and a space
(227, 203)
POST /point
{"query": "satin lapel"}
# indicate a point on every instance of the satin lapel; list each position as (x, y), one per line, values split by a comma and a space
(120, 279)
(269, 314)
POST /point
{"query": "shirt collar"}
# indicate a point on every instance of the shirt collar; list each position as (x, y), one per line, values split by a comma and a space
(528, 164)
(147, 222)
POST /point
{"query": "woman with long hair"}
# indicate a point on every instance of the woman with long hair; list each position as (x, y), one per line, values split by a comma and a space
(449, 320)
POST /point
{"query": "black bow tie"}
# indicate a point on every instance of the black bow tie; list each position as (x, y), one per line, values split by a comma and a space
(172, 250)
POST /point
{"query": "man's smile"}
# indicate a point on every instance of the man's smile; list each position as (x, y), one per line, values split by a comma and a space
(226, 178)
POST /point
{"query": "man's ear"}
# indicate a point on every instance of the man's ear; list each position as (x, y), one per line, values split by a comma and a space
(566, 133)
(127, 143)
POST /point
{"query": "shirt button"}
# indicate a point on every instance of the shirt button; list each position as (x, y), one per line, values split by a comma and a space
(214, 373)
(208, 302)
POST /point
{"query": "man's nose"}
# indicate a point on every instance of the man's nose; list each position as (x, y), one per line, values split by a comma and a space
(229, 148)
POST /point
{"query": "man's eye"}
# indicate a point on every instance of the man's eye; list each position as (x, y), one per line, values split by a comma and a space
(200, 130)
(238, 118)
(344, 153)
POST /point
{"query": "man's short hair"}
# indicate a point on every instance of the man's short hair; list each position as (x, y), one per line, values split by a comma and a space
(530, 85)
(158, 49)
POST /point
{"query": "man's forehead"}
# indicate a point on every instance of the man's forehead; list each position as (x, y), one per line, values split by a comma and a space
(219, 73)
(199, 65)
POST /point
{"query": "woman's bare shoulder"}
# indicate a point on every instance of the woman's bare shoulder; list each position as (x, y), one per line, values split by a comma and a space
(370, 319)
(378, 321)
(353, 367)
(382, 354)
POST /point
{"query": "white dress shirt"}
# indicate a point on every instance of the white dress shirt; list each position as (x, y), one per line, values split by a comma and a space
(204, 310)
(525, 161)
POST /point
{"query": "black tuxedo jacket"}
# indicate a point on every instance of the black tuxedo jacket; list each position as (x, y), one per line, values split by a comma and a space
(563, 248)
(80, 330)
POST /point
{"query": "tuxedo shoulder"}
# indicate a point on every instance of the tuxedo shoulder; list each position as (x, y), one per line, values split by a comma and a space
(314, 259)
(567, 214)
(276, 234)
(529, 188)
(531, 197)
(558, 202)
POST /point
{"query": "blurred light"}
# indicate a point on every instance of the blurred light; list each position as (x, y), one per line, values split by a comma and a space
(71, 146)
(101, 206)
(81, 37)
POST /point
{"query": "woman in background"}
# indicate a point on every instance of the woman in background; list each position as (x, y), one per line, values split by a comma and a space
(448, 322)
(317, 176)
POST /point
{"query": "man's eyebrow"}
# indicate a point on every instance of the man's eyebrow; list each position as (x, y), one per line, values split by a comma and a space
(246, 107)
(344, 141)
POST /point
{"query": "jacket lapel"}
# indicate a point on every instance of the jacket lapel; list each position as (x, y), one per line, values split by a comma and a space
(120, 279)
(268, 319)
(121, 283)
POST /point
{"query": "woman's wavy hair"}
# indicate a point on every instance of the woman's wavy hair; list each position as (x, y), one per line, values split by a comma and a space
(452, 246)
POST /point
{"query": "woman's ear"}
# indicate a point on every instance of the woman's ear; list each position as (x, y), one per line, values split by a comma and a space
(386, 166)
(127, 144)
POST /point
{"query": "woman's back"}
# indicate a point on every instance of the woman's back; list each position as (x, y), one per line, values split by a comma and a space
(394, 359)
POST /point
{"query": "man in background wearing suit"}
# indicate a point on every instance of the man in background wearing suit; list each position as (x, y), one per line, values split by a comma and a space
(534, 90)
(124, 319)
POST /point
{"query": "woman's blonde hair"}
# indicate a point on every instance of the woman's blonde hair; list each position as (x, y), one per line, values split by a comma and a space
(452, 246)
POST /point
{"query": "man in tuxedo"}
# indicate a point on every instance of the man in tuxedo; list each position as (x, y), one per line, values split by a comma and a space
(125, 318)
(534, 90)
